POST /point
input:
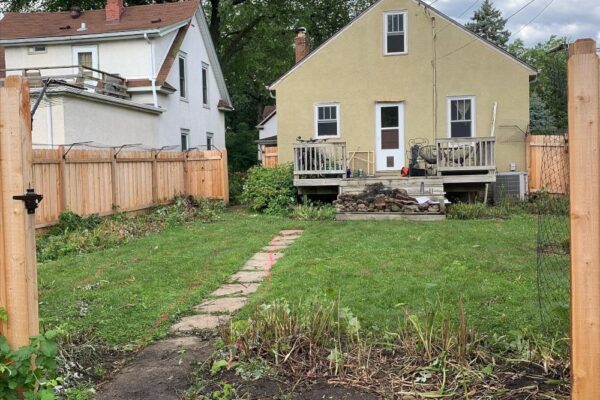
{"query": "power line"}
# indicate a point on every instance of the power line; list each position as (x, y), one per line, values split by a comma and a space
(479, 37)
(534, 18)
(460, 15)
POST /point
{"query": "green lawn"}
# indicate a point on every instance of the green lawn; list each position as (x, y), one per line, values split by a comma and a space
(379, 268)
(124, 294)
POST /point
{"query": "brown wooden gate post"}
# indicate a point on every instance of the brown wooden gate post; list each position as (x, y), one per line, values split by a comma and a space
(18, 274)
(584, 159)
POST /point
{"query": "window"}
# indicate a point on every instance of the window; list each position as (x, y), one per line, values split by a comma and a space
(185, 139)
(36, 50)
(209, 140)
(461, 117)
(327, 120)
(395, 32)
(205, 84)
(86, 56)
(182, 77)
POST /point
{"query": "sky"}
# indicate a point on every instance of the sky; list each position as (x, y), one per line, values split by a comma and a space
(574, 19)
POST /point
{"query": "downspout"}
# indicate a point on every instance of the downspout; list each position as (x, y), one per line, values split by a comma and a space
(153, 70)
(434, 77)
(49, 123)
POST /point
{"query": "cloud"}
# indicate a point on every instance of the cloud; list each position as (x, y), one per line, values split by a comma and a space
(571, 18)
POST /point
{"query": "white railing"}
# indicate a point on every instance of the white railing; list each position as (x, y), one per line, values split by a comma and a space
(466, 154)
(319, 159)
(80, 76)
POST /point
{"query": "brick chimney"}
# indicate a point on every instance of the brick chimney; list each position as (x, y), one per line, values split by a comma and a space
(301, 44)
(114, 10)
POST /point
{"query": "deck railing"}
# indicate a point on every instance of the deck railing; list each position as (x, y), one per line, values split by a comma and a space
(319, 159)
(88, 79)
(466, 154)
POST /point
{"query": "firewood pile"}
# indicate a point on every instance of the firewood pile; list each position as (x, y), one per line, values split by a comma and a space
(376, 198)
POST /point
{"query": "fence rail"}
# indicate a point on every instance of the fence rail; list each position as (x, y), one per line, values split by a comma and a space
(320, 158)
(107, 181)
(466, 154)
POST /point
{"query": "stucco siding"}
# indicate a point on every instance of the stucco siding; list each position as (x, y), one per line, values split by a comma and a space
(353, 71)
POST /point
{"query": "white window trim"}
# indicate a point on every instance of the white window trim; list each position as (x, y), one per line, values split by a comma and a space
(185, 132)
(211, 136)
(449, 114)
(338, 118)
(185, 76)
(206, 67)
(404, 13)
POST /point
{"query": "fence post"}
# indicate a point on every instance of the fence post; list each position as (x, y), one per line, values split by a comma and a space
(154, 177)
(225, 177)
(584, 158)
(18, 275)
(113, 178)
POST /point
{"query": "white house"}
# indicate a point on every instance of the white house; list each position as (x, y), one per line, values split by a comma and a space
(267, 130)
(123, 75)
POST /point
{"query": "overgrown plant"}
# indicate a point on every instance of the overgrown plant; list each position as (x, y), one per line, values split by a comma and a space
(29, 372)
(313, 212)
(428, 356)
(270, 190)
(75, 234)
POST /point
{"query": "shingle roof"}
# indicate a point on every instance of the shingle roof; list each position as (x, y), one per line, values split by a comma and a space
(135, 18)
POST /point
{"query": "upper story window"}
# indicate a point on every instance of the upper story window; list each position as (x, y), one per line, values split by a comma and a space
(327, 120)
(182, 76)
(395, 32)
(205, 84)
(39, 49)
(461, 117)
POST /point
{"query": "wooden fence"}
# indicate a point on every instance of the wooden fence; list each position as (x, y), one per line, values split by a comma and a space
(108, 180)
(269, 157)
(548, 163)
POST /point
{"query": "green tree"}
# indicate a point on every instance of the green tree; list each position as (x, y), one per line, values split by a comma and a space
(488, 23)
(541, 121)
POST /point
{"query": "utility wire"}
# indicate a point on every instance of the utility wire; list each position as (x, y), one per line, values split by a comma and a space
(460, 15)
(534, 18)
(479, 37)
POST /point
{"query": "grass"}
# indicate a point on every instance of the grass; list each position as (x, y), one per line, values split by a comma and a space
(129, 294)
(132, 293)
(379, 268)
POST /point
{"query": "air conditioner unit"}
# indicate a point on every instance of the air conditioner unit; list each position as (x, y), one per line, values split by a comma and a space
(510, 184)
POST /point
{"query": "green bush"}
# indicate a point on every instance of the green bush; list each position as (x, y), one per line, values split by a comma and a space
(476, 211)
(313, 212)
(270, 190)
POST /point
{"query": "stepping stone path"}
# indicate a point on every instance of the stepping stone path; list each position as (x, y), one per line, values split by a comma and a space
(230, 298)
(162, 370)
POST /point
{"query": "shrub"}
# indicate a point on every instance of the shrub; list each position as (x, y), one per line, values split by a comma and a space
(476, 211)
(313, 212)
(270, 190)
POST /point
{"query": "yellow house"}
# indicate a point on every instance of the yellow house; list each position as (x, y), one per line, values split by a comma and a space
(403, 85)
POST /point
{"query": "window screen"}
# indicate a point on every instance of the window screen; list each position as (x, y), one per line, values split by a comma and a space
(182, 76)
(395, 34)
(327, 120)
(205, 85)
(461, 118)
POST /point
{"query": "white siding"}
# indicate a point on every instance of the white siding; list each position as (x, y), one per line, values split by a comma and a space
(269, 129)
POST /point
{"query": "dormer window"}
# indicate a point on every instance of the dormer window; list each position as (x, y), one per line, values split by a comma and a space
(395, 33)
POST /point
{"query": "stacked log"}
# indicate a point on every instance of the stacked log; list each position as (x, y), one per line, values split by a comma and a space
(376, 198)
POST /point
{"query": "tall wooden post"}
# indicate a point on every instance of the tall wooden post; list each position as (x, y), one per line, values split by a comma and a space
(18, 274)
(584, 159)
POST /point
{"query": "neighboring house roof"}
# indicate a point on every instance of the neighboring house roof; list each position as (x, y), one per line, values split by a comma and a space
(53, 24)
(157, 19)
(533, 71)
(267, 141)
(269, 112)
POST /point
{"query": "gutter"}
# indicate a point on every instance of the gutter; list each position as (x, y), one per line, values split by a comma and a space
(81, 38)
(153, 70)
(67, 91)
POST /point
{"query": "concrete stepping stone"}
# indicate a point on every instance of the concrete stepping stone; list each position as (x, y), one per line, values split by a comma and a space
(223, 305)
(199, 322)
(249, 276)
(258, 265)
(235, 289)
(291, 232)
(265, 256)
(274, 248)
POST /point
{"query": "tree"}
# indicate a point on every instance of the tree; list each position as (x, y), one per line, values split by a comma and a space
(540, 118)
(489, 24)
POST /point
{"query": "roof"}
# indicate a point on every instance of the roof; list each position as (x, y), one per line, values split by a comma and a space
(269, 112)
(533, 71)
(54, 24)
(267, 140)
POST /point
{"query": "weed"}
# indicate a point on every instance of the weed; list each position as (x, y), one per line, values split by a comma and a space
(313, 212)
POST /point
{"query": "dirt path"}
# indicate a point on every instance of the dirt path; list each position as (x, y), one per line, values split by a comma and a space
(163, 371)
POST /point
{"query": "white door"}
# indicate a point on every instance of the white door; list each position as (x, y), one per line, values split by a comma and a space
(389, 125)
